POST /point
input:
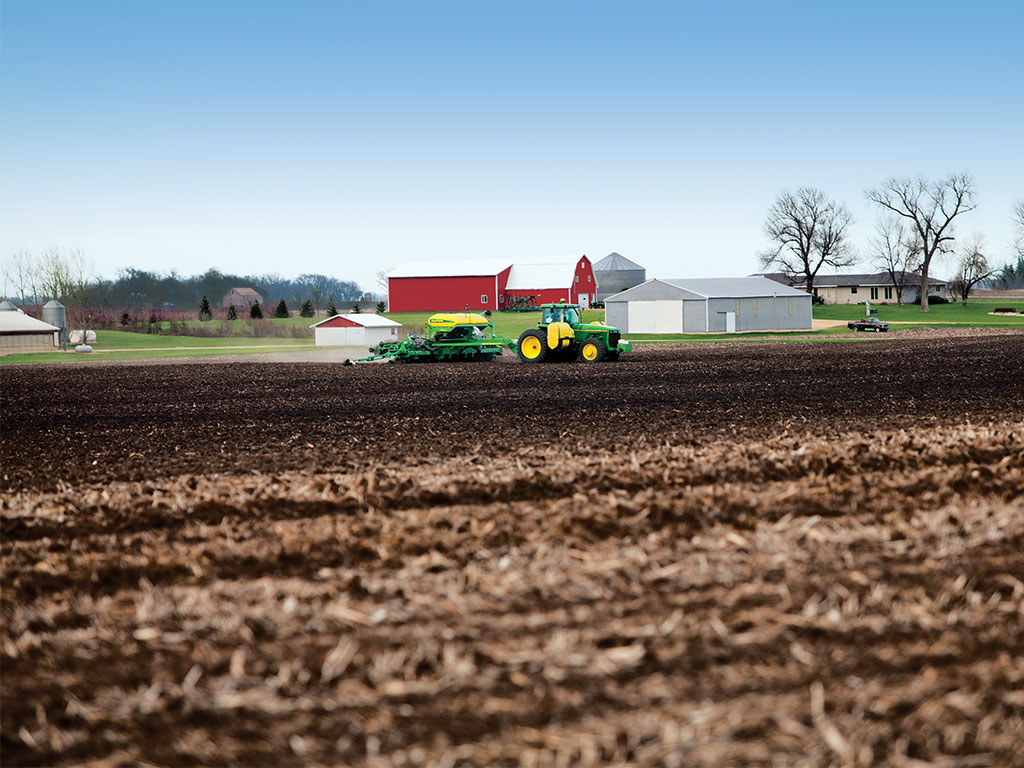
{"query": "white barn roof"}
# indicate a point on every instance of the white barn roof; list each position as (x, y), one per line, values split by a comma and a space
(365, 320)
(17, 322)
(450, 268)
(527, 277)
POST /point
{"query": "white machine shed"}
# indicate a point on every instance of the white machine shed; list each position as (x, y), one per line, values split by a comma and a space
(709, 305)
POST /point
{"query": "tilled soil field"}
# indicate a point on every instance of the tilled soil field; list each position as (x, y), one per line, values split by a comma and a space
(742, 554)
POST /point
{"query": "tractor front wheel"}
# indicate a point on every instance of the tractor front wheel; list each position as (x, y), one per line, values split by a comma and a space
(591, 351)
(532, 346)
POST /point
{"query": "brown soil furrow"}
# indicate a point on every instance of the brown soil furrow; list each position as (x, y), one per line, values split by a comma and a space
(725, 555)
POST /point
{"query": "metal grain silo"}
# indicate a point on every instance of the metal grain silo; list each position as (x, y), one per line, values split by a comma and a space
(55, 314)
(615, 273)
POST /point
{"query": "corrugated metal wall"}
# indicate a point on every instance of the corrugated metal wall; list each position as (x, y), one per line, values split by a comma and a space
(610, 283)
(353, 337)
(12, 341)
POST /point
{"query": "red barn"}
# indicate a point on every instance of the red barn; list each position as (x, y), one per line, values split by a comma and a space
(551, 282)
(488, 284)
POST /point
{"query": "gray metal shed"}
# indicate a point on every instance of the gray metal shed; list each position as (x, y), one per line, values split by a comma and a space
(709, 305)
(615, 273)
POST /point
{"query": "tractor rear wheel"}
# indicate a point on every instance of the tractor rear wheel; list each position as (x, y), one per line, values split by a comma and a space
(532, 346)
(591, 351)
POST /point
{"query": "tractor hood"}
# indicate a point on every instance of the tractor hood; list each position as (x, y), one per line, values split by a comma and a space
(598, 326)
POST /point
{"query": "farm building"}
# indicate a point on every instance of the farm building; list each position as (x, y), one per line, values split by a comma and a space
(21, 333)
(615, 273)
(709, 305)
(877, 287)
(240, 298)
(489, 284)
(355, 330)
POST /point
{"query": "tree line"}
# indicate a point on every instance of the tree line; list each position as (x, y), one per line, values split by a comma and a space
(916, 224)
(66, 275)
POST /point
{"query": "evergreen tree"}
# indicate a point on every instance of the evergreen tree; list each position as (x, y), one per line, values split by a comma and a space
(307, 309)
(255, 312)
(232, 314)
(355, 309)
(205, 313)
(282, 309)
(331, 309)
(381, 307)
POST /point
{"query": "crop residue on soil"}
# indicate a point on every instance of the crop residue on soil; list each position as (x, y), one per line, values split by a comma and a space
(739, 555)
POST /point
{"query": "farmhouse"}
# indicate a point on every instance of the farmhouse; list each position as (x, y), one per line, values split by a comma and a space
(489, 284)
(354, 330)
(876, 287)
(21, 333)
(615, 273)
(240, 298)
(709, 305)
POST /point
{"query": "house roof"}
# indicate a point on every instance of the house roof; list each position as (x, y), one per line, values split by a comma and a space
(364, 319)
(616, 262)
(718, 288)
(529, 277)
(6, 306)
(866, 279)
(18, 322)
(247, 293)
(450, 268)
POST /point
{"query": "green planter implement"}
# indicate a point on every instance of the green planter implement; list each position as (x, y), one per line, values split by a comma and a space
(464, 337)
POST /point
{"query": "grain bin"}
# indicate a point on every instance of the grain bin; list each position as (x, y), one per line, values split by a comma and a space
(615, 273)
(55, 314)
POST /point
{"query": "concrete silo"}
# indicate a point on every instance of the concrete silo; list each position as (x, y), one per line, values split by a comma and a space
(615, 273)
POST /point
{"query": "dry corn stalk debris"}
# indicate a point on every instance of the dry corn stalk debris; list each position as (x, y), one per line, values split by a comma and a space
(832, 591)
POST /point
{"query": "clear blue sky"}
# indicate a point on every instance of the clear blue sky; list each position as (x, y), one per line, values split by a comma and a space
(339, 137)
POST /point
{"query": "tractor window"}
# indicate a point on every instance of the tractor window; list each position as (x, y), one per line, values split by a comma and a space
(552, 315)
(572, 316)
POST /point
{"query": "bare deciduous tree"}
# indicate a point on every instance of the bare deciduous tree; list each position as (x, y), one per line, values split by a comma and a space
(807, 232)
(1018, 227)
(930, 208)
(18, 270)
(973, 267)
(896, 250)
(381, 277)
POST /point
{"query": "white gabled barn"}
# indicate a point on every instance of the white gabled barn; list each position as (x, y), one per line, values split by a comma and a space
(355, 330)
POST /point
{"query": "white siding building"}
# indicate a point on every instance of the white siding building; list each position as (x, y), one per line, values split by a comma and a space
(709, 305)
(355, 330)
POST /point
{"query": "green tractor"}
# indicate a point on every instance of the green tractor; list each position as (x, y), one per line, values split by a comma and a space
(561, 335)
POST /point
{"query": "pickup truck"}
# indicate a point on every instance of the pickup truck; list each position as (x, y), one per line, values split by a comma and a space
(868, 324)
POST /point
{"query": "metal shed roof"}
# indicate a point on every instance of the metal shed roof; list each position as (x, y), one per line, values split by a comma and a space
(365, 320)
(528, 277)
(18, 322)
(451, 268)
(616, 262)
(716, 288)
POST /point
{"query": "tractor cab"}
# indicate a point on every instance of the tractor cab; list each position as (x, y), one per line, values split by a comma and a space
(561, 313)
